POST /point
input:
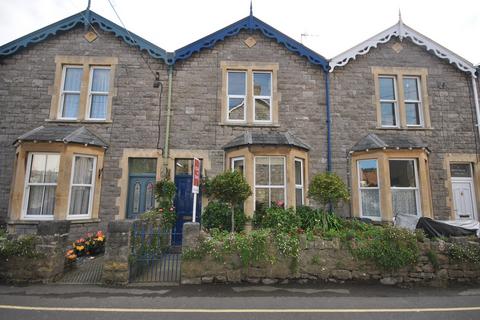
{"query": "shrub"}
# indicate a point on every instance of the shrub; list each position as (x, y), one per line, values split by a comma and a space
(281, 220)
(467, 252)
(164, 193)
(217, 215)
(316, 219)
(328, 188)
(389, 248)
(258, 215)
(229, 187)
(24, 246)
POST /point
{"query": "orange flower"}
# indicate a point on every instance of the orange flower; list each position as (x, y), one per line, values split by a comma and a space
(72, 257)
(81, 240)
(69, 252)
(99, 233)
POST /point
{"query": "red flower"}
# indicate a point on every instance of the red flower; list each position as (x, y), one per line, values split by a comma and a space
(81, 240)
(89, 234)
(171, 209)
(161, 210)
(280, 203)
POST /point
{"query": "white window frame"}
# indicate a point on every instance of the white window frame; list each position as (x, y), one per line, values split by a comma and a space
(419, 102)
(26, 193)
(232, 163)
(236, 96)
(91, 185)
(302, 178)
(395, 102)
(97, 93)
(63, 92)
(416, 189)
(360, 189)
(262, 97)
(269, 186)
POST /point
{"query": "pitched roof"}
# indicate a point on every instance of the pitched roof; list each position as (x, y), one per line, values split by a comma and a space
(251, 23)
(266, 139)
(401, 31)
(374, 141)
(86, 17)
(65, 134)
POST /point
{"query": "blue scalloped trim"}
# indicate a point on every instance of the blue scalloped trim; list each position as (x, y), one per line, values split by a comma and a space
(81, 18)
(250, 23)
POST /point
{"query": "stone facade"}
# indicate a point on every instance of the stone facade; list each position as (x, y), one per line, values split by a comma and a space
(26, 93)
(451, 104)
(116, 270)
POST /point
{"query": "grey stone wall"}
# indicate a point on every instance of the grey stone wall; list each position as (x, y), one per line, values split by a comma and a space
(451, 110)
(26, 79)
(116, 269)
(196, 100)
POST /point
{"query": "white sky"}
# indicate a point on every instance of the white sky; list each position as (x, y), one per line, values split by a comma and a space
(335, 25)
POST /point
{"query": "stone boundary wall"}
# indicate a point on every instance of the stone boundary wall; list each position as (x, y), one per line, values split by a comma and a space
(48, 266)
(327, 261)
(116, 270)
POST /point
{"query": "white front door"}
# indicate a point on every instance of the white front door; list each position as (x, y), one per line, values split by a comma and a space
(463, 199)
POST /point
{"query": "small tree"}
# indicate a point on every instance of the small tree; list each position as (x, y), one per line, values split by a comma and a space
(328, 188)
(231, 188)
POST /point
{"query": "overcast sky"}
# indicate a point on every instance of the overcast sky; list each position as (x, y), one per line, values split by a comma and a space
(333, 26)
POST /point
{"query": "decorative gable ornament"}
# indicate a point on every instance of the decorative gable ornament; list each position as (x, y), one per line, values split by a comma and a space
(402, 31)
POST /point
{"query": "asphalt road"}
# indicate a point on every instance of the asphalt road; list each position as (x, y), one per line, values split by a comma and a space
(238, 302)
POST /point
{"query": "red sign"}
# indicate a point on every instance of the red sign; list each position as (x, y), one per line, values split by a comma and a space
(196, 175)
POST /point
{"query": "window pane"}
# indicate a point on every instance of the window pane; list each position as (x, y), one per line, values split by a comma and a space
(49, 200)
(298, 172)
(98, 109)
(277, 176)
(404, 201)
(277, 196)
(460, 170)
(142, 165)
(370, 202)
(100, 80)
(70, 105)
(236, 83)
(184, 166)
(34, 206)
(149, 197)
(262, 109)
(387, 89)
(262, 84)
(298, 197)
(413, 113)
(402, 173)
(79, 200)
(239, 165)
(136, 197)
(368, 173)
(388, 114)
(236, 107)
(261, 197)
(51, 172)
(73, 79)
(410, 89)
(83, 171)
(37, 170)
(261, 171)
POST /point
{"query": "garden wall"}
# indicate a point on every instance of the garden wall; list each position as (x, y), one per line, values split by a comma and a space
(330, 261)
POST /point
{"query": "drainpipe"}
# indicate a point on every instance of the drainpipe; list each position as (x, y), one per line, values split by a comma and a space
(329, 138)
(477, 107)
(167, 127)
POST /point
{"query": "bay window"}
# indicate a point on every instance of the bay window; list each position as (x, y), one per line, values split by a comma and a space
(270, 182)
(82, 186)
(404, 187)
(369, 188)
(299, 182)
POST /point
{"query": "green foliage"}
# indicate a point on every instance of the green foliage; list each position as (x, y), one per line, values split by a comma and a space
(258, 215)
(389, 248)
(328, 188)
(217, 215)
(468, 252)
(281, 220)
(165, 191)
(229, 187)
(433, 258)
(24, 246)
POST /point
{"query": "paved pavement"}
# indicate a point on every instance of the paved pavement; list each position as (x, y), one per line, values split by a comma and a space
(320, 301)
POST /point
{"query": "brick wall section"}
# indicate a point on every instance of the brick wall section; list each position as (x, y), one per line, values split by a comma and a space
(451, 110)
(25, 79)
(197, 84)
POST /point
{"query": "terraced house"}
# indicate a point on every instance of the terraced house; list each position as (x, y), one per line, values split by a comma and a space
(93, 115)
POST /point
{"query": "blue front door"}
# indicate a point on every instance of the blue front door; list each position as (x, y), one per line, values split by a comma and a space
(141, 186)
(184, 197)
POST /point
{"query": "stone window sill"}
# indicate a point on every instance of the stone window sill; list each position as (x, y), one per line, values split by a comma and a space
(404, 129)
(79, 121)
(250, 125)
(35, 222)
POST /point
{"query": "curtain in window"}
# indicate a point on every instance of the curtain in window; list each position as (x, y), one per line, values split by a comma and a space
(100, 84)
(404, 201)
(81, 186)
(370, 202)
(42, 184)
(71, 88)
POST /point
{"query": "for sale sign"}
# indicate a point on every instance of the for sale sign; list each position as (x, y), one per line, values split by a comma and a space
(196, 175)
